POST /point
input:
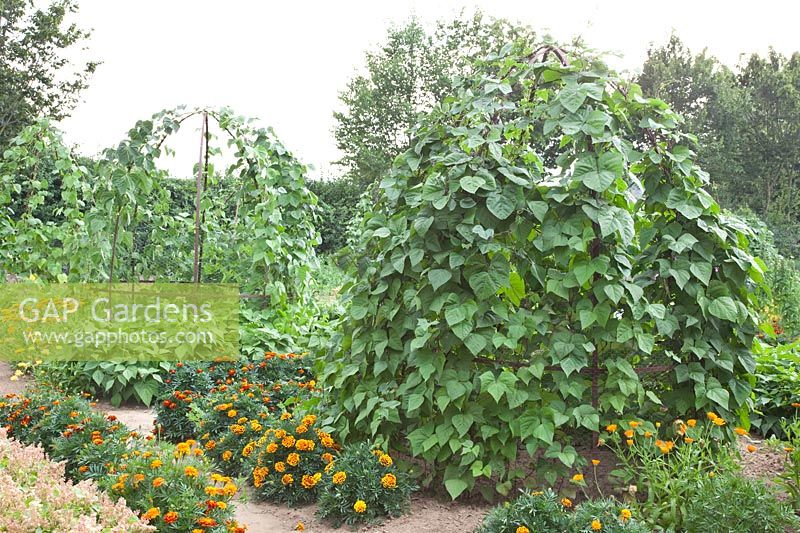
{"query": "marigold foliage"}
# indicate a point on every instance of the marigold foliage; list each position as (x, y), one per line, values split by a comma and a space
(544, 215)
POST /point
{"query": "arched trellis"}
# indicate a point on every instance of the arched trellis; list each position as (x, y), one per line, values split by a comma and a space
(268, 240)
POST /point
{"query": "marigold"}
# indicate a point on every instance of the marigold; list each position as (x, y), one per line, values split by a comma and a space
(711, 415)
(280, 466)
(151, 513)
(595, 462)
(287, 479)
(751, 448)
(302, 428)
(577, 478)
(688, 440)
(293, 459)
(248, 449)
(389, 481)
(157, 482)
(232, 413)
(226, 455)
(206, 521)
(385, 460)
(300, 527)
(171, 517)
(523, 529)
(272, 447)
(691, 422)
(327, 457)
(566, 502)
(309, 482)
(719, 421)
(339, 478)
(190, 471)
(629, 433)
(611, 428)
(629, 442)
(360, 506)
(596, 525)
(288, 441)
(304, 445)
(741, 431)
(634, 424)
(286, 416)
(625, 515)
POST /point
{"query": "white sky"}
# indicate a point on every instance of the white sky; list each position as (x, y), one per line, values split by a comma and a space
(285, 62)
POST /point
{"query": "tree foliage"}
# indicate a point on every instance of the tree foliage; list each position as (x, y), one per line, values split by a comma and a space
(36, 76)
(492, 281)
(407, 75)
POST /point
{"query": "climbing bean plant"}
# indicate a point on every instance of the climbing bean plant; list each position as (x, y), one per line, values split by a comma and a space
(42, 193)
(545, 216)
(258, 229)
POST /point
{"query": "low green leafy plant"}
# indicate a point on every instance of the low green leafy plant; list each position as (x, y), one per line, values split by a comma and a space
(789, 478)
(777, 386)
(731, 503)
(543, 512)
(364, 485)
(667, 465)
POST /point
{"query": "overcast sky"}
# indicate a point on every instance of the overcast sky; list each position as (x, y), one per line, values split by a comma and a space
(285, 62)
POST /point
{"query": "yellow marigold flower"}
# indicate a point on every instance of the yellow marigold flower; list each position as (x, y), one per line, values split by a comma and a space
(222, 505)
(625, 515)
(566, 502)
(385, 460)
(389, 481)
(634, 424)
(226, 455)
(229, 489)
(238, 429)
(293, 459)
(596, 525)
(719, 421)
(255, 425)
(741, 431)
(302, 428)
(688, 440)
(280, 433)
(287, 479)
(248, 449)
(280, 466)
(259, 475)
(151, 513)
(286, 416)
(242, 420)
(157, 482)
(711, 415)
(523, 529)
(272, 447)
(629, 433)
(629, 442)
(339, 478)
(577, 478)
(691, 422)
(287, 441)
(326, 457)
(190, 471)
(156, 464)
(595, 462)
(360, 506)
(611, 428)
(232, 413)
(309, 420)
(327, 441)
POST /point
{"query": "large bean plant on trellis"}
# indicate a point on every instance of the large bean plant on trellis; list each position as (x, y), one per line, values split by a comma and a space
(252, 223)
(544, 243)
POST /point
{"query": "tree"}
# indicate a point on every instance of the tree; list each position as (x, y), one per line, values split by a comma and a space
(407, 75)
(494, 286)
(36, 78)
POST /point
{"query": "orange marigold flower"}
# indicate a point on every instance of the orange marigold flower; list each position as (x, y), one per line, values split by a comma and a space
(287, 479)
(634, 424)
(304, 445)
(385, 460)
(288, 441)
(523, 529)
(625, 515)
(629, 433)
(339, 478)
(389, 481)
(280, 466)
(611, 428)
(595, 462)
(286, 416)
(232, 413)
(272, 447)
(711, 415)
(577, 478)
(751, 448)
(171, 517)
(741, 431)
(157, 482)
(151, 513)
(309, 482)
(293, 459)
(190, 471)
(83, 469)
(596, 525)
(226, 455)
(629, 442)
(566, 502)
(691, 422)
(719, 421)
(326, 457)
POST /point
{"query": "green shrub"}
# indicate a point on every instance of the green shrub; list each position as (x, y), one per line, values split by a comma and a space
(731, 503)
(338, 202)
(610, 515)
(789, 479)
(526, 233)
(362, 474)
